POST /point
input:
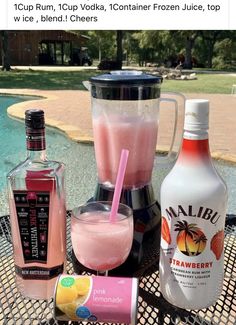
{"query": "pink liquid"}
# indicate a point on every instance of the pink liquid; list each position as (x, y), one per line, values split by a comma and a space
(100, 245)
(136, 135)
(42, 289)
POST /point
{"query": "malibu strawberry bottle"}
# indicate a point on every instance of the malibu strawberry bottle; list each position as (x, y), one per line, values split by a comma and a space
(193, 206)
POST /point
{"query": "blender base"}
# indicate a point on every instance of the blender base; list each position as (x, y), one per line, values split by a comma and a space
(147, 228)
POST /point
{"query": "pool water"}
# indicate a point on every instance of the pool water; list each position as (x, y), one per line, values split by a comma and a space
(79, 159)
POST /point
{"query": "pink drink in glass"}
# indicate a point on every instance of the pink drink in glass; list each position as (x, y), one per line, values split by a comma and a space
(99, 244)
(135, 134)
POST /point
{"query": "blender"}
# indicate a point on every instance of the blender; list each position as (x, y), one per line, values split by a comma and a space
(125, 115)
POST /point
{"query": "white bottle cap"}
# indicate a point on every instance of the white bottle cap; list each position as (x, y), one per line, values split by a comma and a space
(196, 114)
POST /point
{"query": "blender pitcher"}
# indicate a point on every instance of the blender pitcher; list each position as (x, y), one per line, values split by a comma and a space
(125, 113)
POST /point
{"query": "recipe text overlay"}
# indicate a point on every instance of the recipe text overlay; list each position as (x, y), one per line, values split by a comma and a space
(120, 14)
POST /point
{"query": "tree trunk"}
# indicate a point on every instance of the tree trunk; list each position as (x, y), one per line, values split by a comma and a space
(188, 53)
(99, 50)
(119, 48)
(210, 37)
(210, 53)
(5, 51)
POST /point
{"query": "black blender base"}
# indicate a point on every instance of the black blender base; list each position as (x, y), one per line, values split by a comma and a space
(147, 229)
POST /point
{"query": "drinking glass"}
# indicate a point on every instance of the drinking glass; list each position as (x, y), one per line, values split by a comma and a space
(98, 243)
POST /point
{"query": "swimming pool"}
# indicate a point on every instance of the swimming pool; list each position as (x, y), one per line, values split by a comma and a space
(79, 184)
(79, 160)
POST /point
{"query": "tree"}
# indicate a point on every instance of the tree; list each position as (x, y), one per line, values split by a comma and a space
(188, 230)
(164, 47)
(146, 48)
(101, 44)
(129, 46)
(225, 52)
(119, 48)
(210, 38)
(161, 47)
(189, 36)
(5, 51)
(107, 45)
(198, 240)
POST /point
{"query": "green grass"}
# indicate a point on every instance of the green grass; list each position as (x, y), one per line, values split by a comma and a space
(205, 84)
(50, 80)
(46, 80)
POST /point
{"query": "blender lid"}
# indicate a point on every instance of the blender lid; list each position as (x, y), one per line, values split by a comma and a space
(125, 85)
(126, 77)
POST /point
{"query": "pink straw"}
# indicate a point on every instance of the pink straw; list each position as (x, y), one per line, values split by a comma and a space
(119, 183)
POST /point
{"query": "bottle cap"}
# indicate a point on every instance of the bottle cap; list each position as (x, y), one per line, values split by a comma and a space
(196, 114)
(34, 119)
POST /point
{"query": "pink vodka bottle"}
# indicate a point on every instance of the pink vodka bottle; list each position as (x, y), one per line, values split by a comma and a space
(37, 214)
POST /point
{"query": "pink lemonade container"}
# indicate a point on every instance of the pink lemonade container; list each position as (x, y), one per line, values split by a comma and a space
(96, 299)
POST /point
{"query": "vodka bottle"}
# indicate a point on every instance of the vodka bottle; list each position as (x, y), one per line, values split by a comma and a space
(193, 206)
(37, 214)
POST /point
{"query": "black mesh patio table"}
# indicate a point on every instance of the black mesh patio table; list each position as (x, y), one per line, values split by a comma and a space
(152, 307)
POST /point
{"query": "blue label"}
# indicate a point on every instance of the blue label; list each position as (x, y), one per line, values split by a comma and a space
(83, 312)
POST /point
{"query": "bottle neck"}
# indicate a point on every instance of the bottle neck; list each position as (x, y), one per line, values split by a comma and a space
(37, 155)
(36, 144)
(195, 146)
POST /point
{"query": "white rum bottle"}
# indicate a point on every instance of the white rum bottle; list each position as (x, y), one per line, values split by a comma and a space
(193, 206)
(37, 214)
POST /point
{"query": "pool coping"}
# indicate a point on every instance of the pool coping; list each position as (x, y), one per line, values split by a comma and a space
(17, 111)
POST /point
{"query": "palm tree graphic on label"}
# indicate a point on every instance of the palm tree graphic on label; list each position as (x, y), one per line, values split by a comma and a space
(199, 240)
(191, 240)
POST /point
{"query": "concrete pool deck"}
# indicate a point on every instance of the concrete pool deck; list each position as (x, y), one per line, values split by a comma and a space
(70, 111)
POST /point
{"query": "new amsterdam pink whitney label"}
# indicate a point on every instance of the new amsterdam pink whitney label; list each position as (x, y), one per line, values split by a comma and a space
(32, 208)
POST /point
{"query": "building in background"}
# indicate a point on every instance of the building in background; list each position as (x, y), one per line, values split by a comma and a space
(55, 47)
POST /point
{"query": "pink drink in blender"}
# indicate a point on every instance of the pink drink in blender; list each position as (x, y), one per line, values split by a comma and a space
(125, 108)
(135, 134)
